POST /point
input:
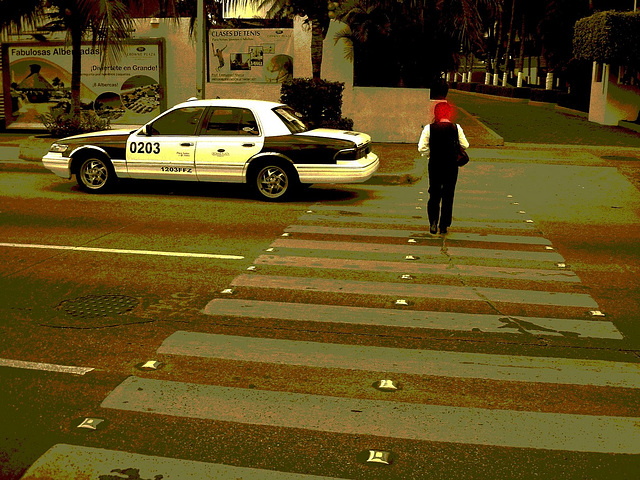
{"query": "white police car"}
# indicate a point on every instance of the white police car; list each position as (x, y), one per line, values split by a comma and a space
(263, 144)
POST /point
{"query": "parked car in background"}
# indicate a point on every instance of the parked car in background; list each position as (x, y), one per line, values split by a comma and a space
(266, 145)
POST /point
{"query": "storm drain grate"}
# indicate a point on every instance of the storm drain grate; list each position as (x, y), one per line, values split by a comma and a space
(93, 306)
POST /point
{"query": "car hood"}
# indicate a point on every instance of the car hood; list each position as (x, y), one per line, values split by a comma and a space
(104, 135)
(356, 137)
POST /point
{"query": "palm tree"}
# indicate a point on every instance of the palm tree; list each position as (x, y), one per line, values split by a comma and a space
(439, 29)
(108, 22)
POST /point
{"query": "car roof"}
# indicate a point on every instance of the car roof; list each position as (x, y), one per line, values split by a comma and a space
(231, 102)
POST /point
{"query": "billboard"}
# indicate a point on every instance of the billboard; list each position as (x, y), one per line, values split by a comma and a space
(262, 55)
(38, 81)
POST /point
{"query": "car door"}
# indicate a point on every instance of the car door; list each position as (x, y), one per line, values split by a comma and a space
(165, 148)
(230, 136)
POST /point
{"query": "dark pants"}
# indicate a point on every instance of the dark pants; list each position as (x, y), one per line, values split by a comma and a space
(442, 187)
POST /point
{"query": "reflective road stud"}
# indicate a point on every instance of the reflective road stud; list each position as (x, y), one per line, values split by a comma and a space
(387, 386)
(90, 423)
(150, 365)
(596, 313)
(379, 457)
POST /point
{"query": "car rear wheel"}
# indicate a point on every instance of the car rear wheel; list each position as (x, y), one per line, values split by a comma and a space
(95, 175)
(274, 181)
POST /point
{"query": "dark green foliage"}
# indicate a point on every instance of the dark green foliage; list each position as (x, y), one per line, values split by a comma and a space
(319, 101)
(62, 125)
(608, 37)
(510, 92)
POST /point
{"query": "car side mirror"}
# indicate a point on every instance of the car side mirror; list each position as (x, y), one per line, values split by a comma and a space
(148, 130)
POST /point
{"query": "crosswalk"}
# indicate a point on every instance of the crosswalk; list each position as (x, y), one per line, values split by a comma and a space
(370, 276)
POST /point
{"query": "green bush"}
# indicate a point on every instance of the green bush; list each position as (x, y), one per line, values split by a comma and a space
(540, 95)
(320, 102)
(66, 124)
(608, 37)
(509, 92)
(574, 102)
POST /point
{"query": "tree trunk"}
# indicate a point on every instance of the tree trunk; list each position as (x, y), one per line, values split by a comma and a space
(496, 61)
(522, 45)
(317, 39)
(509, 36)
(76, 69)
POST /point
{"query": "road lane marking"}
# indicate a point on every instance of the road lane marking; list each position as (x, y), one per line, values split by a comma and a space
(64, 462)
(464, 425)
(46, 367)
(512, 273)
(122, 251)
(384, 232)
(508, 368)
(402, 290)
(466, 322)
(434, 251)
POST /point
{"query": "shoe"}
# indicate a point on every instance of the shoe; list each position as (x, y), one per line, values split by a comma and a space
(443, 230)
(433, 228)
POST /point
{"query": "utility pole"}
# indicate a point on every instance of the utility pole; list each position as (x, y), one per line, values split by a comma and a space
(200, 51)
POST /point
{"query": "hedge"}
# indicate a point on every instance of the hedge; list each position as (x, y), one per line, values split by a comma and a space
(510, 92)
(319, 101)
(608, 37)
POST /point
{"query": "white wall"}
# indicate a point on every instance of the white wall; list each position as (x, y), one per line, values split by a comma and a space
(387, 114)
(611, 102)
(180, 60)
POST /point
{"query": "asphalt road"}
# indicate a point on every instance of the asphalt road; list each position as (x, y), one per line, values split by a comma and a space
(273, 322)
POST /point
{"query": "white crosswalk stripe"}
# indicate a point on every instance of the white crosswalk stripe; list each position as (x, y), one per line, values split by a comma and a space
(466, 322)
(417, 362)
(549, 431)
(74, 462)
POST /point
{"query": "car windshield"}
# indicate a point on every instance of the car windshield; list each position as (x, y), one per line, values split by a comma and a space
(292, 119)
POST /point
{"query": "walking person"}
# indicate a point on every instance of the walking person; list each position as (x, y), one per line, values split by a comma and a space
(439, 142)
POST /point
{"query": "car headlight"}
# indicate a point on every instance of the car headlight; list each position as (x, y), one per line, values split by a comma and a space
(58, 148)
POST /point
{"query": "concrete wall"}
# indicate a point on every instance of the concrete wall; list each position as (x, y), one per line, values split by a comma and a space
(387, 114)
(180, 55)
(612, 102)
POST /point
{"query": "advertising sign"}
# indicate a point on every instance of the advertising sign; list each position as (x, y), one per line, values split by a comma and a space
(263, 55)
(39, 75)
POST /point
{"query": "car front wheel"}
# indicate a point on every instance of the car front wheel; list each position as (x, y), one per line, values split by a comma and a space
(274, 181)
(95, 175)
